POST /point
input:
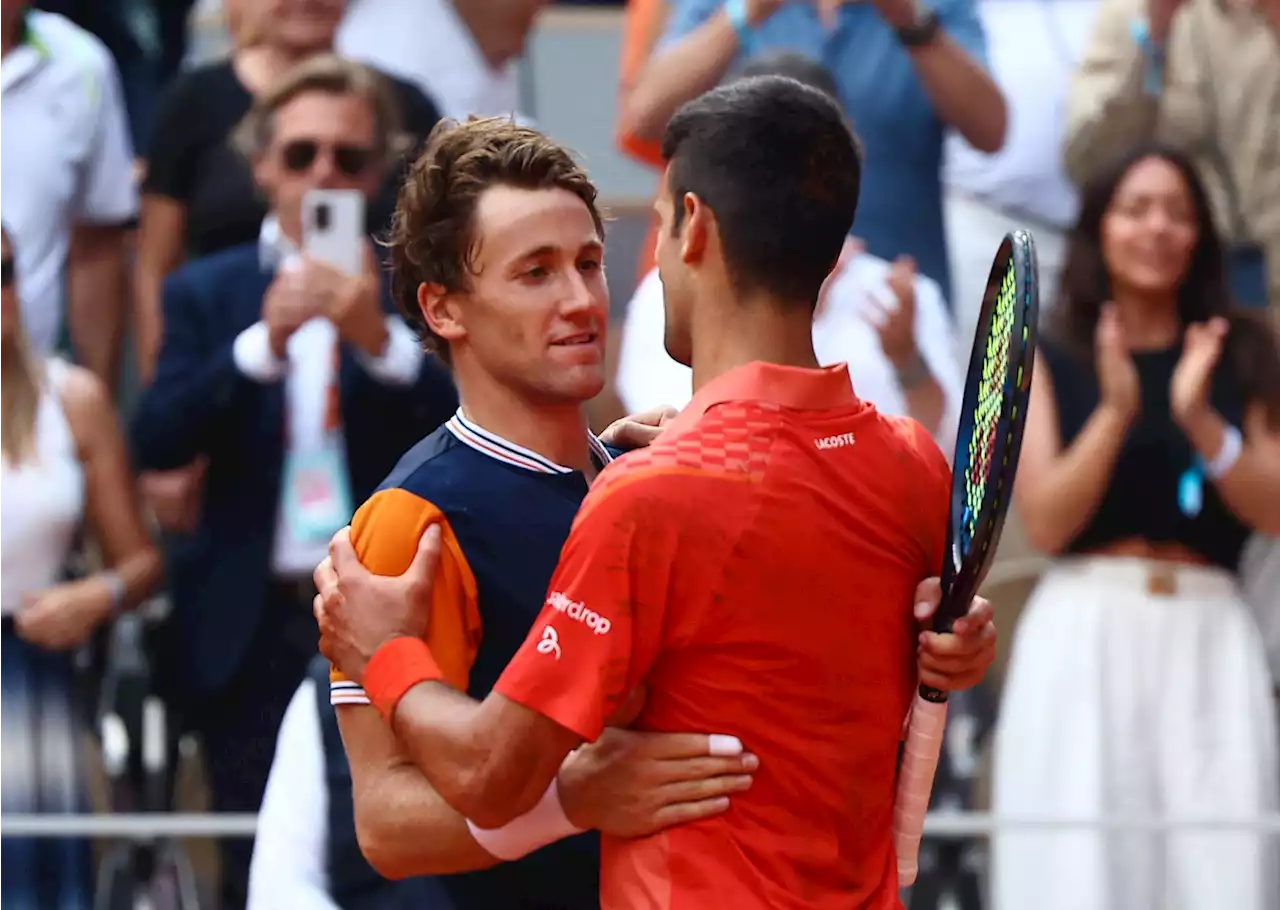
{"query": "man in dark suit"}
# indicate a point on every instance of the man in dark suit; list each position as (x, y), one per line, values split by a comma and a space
(300, 389)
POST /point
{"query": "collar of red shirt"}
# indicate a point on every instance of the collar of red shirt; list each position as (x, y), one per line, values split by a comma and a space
(789, 387)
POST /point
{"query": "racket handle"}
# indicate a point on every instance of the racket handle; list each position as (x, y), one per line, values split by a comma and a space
(915, 783)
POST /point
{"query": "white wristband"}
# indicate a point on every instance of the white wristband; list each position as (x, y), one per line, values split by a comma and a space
(1228, 454)
(544, 824)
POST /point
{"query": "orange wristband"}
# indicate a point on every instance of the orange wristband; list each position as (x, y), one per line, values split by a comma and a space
(396, 667)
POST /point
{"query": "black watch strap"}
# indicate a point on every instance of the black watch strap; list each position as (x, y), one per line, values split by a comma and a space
(921, 32)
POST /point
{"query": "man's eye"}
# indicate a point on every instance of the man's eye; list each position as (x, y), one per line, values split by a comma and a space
(537, 272)
(590, 265)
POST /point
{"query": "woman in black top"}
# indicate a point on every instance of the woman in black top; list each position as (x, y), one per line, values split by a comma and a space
(198, 195)
(1138, 685)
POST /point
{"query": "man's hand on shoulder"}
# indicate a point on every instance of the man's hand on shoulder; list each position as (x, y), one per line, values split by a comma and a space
(958, 659)
(358, 611)
(635, 431)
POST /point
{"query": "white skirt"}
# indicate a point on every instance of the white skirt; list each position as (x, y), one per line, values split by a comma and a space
(1132, 698)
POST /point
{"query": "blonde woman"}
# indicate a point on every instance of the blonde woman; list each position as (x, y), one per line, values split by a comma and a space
(64, 463)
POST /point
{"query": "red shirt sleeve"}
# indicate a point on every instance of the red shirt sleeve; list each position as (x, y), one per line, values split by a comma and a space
(602, 624)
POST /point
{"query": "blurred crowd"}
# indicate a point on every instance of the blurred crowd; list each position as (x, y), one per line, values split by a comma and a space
(192, 405)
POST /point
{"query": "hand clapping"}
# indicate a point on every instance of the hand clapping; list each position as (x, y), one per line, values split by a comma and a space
(1118, 384)
(1192, 377)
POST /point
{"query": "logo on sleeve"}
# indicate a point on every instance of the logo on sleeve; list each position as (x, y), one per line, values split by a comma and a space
(550, 643)
(577, 611)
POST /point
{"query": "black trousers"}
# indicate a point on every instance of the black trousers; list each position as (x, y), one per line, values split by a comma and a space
(238, 724)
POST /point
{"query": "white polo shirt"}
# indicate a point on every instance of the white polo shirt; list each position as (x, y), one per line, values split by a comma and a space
(427, 43)
(1034, 46)
(65, 158)
(843, 331)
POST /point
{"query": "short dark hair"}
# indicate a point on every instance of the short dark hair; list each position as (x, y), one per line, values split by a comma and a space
(433, 232)
(778, 164)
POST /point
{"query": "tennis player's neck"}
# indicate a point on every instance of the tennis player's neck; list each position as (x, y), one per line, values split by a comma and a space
(761, 333)
(556, 432)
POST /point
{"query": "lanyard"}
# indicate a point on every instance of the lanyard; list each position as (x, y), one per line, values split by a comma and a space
(332, 403)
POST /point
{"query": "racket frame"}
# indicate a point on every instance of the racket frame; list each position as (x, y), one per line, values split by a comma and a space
(962, 575)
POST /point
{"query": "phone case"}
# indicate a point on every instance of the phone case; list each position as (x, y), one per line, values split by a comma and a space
(333, 228)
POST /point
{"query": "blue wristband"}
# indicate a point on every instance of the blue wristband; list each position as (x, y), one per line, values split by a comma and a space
(1153, 54)
(736, 10)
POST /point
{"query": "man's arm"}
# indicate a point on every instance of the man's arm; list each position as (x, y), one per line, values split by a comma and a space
(404, 826)
(1115, 95)
(197, 386)
(934, 339)
(952, 69)
(97, 281)
(491, 760)
(697, 50)
(629, 784)
(97, 287)
(595, 638)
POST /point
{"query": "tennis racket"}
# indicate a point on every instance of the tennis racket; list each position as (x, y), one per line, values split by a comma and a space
(992, 415)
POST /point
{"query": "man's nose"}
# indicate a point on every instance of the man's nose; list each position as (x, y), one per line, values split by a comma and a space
(324, 171)
(582, 297)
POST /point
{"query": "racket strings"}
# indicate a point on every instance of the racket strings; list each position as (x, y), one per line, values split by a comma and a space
(991, 398)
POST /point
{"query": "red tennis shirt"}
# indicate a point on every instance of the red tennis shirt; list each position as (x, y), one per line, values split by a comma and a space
(754, 568)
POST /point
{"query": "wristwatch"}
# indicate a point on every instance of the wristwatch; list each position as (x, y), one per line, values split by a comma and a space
(912, 374)
(923, 29)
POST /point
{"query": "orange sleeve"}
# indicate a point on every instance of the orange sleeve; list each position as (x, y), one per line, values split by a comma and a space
(385, 532)
(641, 29)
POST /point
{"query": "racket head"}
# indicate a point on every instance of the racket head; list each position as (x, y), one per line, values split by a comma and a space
(993, 413)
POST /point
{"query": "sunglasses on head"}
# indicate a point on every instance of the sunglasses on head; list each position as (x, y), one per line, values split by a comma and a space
(352, 160)
(6, 271)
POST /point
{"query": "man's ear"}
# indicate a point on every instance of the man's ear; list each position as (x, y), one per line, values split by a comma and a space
(441, 311)
(697, 221)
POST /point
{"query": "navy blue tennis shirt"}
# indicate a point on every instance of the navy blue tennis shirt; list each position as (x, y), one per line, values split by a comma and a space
(505, 513)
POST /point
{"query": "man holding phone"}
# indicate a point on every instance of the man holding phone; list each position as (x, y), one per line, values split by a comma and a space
(277, 358)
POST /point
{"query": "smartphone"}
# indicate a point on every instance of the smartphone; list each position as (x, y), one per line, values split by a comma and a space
(333, 228)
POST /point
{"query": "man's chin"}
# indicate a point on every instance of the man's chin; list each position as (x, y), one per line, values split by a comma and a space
(580, 385)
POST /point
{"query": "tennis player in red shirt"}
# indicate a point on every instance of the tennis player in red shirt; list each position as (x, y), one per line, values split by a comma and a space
(754, 569)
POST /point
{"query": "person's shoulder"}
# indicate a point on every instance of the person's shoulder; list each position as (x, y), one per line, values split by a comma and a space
(417, 492)
(434, 464)
(683, 475)
(907, 440)
(200, 100)
(67, 43)
(418, 110)
(205, 78)
(85, 401)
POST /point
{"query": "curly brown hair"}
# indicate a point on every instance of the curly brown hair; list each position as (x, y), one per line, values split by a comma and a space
(433, 233)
